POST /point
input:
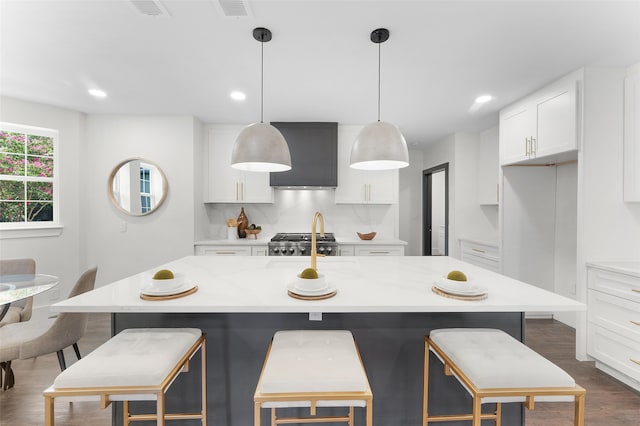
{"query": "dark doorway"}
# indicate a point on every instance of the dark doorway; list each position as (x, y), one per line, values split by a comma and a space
(435, 211)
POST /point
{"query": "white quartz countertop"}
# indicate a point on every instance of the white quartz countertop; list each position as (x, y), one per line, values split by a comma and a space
(263, 240)
(629, 268)
(258, 284)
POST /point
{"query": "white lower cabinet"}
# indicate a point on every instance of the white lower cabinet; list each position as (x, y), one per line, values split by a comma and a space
(230, 250)
(377, 250)
(484, 255)
(613, 330)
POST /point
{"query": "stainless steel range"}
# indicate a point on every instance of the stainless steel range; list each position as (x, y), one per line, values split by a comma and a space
(284, 244)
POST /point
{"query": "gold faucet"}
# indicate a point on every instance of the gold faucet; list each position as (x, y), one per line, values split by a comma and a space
(314, 253)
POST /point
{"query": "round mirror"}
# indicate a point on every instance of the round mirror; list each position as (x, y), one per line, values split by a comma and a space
(137, 187)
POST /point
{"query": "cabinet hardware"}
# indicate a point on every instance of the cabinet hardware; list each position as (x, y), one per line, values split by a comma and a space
(637, 290)
(534, 146)
(242, 191)
(635, 360)
(226, 252)
(237, 192)
(635, 322)
(526, 146)
(379, 252)
(478, 250)
(369, 192)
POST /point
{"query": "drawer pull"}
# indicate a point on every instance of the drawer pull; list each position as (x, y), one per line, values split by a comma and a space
(635, 360)
(226, 252)
(478, 250)
(635, 322)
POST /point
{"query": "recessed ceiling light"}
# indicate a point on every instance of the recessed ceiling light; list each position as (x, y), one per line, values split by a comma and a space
(238, 96)
(97, 93)
(483, 99)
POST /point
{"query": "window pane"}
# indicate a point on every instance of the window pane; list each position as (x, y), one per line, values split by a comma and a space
(11, 142)
(39, 212)
(12, 211)
(11, 190)
(40, 166)
(39, 145)
(40, 191)
(12, 164)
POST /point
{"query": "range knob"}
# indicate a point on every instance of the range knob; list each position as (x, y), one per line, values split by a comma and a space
(292, 250)
(320, 249)
(329, 250)
(302, 249)
(276, 250)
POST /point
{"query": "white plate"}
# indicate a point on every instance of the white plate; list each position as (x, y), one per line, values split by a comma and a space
(460, 288)
(321, 292)
(150, 290)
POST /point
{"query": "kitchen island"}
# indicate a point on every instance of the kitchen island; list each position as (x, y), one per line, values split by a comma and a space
(386, 302)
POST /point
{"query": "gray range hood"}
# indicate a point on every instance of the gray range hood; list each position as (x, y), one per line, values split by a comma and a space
(314, 156)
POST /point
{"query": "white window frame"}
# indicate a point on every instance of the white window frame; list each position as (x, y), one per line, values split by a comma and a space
(32, 229)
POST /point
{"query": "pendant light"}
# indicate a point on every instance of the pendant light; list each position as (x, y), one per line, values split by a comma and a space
(261, 147)
(379, 145)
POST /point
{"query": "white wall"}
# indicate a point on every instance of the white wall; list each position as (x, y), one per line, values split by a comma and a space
(467, 218)
(410, 209)
(565, 247)
(53, 255)
(147, 241)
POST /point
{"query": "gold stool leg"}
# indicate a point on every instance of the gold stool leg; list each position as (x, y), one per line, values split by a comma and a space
(477, 411)
(125, 413)
(350, 416)
(273, 417)
(160, 409)
(203, 356)
(256, 413)
(425, 385)
(498, 413)
(579, 415)
(48, 411)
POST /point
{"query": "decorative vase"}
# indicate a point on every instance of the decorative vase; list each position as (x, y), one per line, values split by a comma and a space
(243, 223)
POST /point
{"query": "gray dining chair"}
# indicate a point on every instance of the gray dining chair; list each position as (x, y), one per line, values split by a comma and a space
(34, 338)
(21, 310)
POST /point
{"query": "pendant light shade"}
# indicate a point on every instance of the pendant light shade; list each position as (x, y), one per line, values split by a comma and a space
(379, 145)
(261, 147)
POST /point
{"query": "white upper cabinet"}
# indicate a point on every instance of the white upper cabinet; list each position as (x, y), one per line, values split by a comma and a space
(360, 186)
(632, 135)
(541, 125)
(228, 185)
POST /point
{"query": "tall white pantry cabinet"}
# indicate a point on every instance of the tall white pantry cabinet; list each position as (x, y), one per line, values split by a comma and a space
(539, 141)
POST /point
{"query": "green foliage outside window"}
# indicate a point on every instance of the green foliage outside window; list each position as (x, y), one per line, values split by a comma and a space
(26, 177)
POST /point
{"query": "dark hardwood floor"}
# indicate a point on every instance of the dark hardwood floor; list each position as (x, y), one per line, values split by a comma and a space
(609, 403)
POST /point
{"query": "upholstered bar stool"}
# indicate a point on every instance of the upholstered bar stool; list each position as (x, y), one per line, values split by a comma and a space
(313, 369)
(496, 368)
(135, 365)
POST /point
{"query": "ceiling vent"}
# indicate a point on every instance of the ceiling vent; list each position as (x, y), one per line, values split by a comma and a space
(150, 8)
(233, 8)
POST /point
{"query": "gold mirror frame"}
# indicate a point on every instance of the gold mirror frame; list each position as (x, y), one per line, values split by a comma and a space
(121, 174)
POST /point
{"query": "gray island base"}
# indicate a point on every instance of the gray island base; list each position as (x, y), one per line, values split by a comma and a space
(391, 345)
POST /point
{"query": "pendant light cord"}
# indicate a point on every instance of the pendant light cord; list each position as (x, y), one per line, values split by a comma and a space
(261, 80)
(379, 50)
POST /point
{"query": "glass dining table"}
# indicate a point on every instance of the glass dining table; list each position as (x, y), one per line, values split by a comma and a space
(17, 287)
(12, 289)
